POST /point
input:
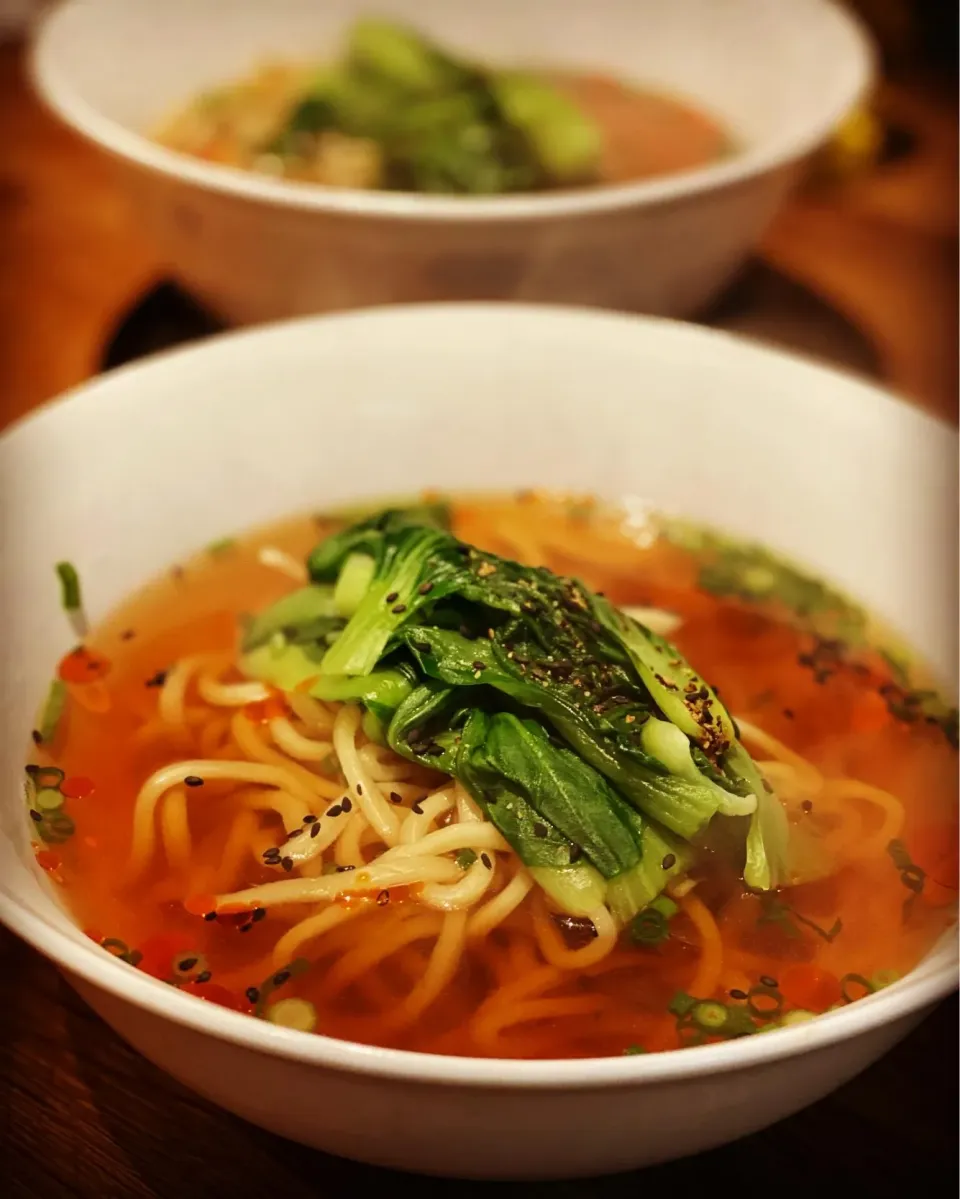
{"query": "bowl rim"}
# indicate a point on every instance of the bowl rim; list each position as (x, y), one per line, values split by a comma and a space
(845, 36)
(88, 962)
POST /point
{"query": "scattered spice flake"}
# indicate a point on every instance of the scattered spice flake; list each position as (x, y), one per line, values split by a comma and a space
(83, 665)
(158, 679)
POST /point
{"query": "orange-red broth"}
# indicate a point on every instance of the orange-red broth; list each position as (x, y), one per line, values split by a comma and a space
(842, 724)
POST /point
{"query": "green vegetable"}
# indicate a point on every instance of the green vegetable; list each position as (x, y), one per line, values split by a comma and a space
(912, 876)
(775, 911)
(465, 858)
(352, 584)
(381, 692)
(279, 978)
(698, 1019)
(851, 983)
(285, 644)
(570, 796)
(753, 574)
(592, 745)
(45, 802)
(51, 713)
(301, 616)
(69, 586)
(565, 142)
(797, 1016)
(48, 800)
(294, 1013)
(399, 56)
(651, 926)
(442, 123)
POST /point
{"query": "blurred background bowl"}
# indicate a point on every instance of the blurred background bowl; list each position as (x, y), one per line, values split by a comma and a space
(779, 75)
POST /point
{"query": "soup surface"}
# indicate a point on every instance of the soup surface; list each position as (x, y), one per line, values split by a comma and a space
(175, 799)
(397, 112)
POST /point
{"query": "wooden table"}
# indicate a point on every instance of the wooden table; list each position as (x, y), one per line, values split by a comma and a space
(80, 1113)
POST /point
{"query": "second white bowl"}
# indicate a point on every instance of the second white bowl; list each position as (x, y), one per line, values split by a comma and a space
(779, 75)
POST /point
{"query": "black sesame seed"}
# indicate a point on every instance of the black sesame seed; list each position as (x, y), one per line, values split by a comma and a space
(315, 830)
(415, 807)
(280, 978)
(422, 647)
(36, 736)
(395, 797)
(311, 819)
(127, 635)
(209, 916)
(392, 597)
(540, 830)
(335, 810)
(425, 588)
(344, 869)
(359, 789)
(807, 805)
(398, 608)
(576, 853)
(252, 994)
(668, 861)
(35, 815)
(158, 679)
(193, 780)
(287, 864)
(478, 665)
(788, 712)
(485, 858)
(346, 804)
(383, 898)
(258, 915)
(297, 832)
(204, 977)
(186, 964)
(767, 981)
(245, 928)
(736, 993)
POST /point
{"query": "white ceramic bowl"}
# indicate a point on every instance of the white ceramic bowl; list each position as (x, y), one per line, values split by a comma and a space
(135, 470)
(780, 73)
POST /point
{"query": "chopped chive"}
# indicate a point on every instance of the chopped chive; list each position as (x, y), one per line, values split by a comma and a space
(855, 980)
(70, 597)
(69, 586)
(48, 720)
(298, 1014)
(221, 546)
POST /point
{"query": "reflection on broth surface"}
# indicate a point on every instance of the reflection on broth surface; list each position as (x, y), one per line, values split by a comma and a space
(437, 801)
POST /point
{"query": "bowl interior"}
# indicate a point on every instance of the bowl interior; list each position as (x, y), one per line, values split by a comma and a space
(134, 63)
(140, 468)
